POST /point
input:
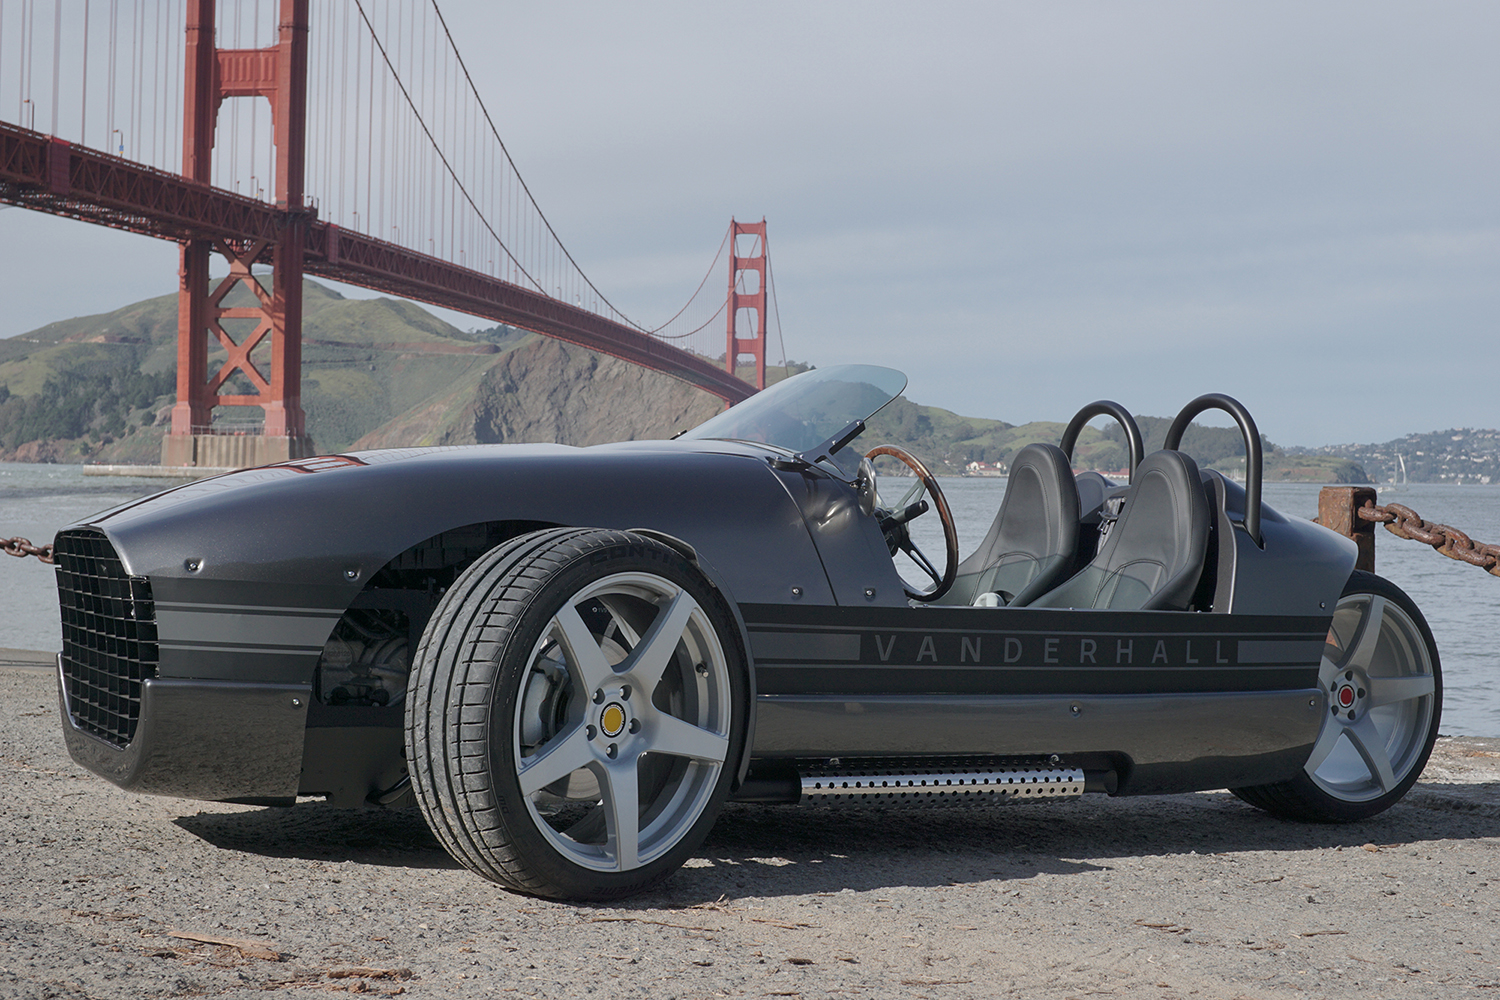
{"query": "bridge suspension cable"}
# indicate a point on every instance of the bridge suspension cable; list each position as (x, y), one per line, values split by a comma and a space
(467, 178)
(775, 308)
(132, 108)
(400, 147)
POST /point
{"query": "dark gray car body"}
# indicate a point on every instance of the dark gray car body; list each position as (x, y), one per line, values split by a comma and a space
(234, 585)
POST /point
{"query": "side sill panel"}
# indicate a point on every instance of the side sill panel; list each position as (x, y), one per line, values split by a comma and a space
(1176, 742)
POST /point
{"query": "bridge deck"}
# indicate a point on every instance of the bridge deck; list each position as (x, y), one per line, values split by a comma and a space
(50, 175)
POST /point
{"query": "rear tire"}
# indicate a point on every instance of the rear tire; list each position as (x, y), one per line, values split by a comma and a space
(576, 713)
(1384, 686)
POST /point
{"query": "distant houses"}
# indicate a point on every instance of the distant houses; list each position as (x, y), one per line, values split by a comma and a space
(986, 469)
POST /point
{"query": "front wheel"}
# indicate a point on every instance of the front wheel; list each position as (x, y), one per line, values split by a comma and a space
(576, 712)
(1385, 692)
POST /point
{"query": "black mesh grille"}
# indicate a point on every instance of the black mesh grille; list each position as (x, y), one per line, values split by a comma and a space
(108, 633)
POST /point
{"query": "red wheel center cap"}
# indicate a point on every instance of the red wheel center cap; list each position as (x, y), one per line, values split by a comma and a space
(1346, 696)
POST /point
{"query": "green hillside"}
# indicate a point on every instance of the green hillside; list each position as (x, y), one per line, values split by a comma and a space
(387, 373)
(949, 442)
(100, 388)
(376, 373)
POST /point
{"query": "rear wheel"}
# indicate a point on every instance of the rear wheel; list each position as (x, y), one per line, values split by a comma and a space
(576, 712)
(1385, 690)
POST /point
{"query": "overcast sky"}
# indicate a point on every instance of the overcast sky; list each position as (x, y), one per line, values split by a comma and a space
(1024, 206)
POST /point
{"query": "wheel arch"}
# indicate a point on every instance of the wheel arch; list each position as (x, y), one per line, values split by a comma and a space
(447, 554)
(742, 636)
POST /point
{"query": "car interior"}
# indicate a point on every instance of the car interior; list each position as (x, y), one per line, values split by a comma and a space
(1164, 541)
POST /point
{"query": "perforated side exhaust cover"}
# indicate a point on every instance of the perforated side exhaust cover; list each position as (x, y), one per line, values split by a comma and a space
(970, 786)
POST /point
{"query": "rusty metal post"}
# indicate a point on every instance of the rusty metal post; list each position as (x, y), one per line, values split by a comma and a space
(1336, 511)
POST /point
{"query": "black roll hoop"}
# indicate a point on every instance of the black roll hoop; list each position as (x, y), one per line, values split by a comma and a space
(1254, 456)
(1105, 408)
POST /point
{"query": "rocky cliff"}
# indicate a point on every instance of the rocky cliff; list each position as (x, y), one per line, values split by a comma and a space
(376, 373)
(548, 391)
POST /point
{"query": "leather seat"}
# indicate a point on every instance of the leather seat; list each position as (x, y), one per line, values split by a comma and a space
(1154, 557)
(1033, 542)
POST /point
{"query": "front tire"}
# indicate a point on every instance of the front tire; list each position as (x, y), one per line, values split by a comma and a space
(1385, 692)
(576, 713)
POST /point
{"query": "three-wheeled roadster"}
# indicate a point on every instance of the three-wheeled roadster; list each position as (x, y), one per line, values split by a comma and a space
(570, 658)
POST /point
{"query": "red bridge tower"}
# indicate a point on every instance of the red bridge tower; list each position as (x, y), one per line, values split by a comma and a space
(279, 74)
(752, 302)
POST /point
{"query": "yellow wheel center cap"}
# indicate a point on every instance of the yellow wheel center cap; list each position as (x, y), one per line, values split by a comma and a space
(612, 719)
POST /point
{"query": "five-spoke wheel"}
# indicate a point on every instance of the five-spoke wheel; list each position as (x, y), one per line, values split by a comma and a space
(1384, 689)
(577, 712)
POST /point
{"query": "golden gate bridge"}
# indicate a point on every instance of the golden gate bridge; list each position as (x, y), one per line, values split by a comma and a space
(343, 139)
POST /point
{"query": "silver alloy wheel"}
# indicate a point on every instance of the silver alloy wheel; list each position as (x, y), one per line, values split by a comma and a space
(1380, 684)
(622, 728)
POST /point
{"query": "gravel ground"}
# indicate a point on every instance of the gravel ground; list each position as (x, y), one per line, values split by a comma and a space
(107, 894)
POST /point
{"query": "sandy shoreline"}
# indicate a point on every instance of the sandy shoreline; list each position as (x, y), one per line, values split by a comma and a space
(107, 894)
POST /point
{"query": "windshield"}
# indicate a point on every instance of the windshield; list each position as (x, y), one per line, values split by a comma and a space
(807, 409)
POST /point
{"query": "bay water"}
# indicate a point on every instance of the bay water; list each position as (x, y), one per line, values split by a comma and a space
(1460, 602)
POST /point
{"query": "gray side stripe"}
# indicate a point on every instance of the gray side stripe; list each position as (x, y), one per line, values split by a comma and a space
(256, 630)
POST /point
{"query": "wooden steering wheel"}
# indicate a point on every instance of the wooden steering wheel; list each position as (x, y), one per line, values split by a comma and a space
(894, 524)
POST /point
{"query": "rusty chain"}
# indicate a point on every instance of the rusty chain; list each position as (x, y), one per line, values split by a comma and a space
(1403, 522)
(22, 547)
